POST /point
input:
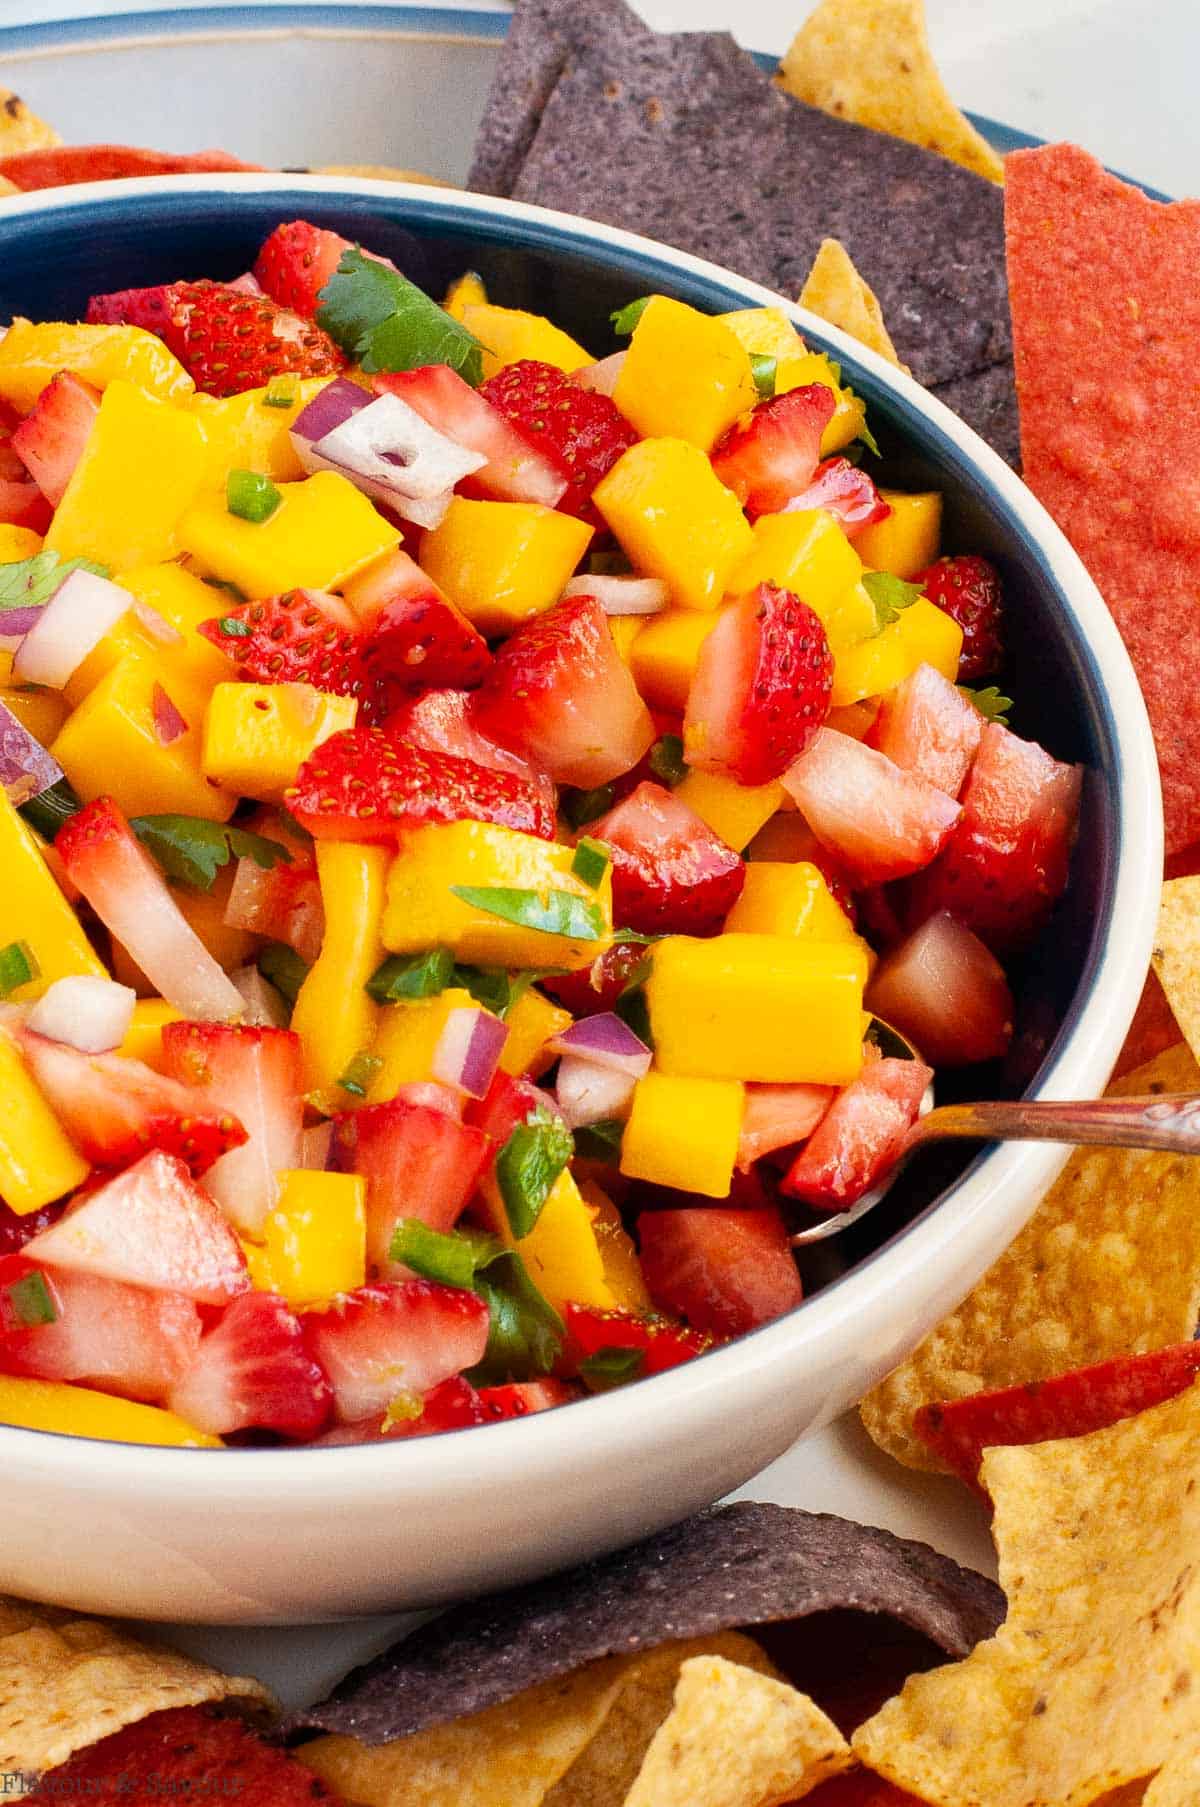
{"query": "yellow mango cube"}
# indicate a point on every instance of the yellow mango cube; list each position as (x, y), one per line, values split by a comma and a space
(622, 1268)
(664, 656)
(323, 531)
(501, 562)
(139, 471)
(247, 433)
(143, 1038)
(17, 543)
(789, 898)
(33, 909)
(406, 1040)
(922, 634)
(52, 1405)
(31, 354)
(685, 375)
(316, 1238)
(508, 334)
(465, 291)
(334, 1016)
(849, 411)
(183, 601)
(807, 553)
(764, 332)
(675, 519)
(109, 746)
(683, 1132)
(758, 1007)
(909, 538)
(561, 1251)
(625, 630)
(531, 1022)
(734, 811)
(37, 1162)
(424, 911)
(257, 736)
(42, 711)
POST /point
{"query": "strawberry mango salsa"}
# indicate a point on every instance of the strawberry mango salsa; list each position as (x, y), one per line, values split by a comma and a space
(465, 808)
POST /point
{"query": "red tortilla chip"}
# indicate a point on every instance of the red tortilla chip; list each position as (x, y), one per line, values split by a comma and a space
(64, 164)
(1152, 1031)
(1069, 1405)
(1106, 320)
(859, 1788)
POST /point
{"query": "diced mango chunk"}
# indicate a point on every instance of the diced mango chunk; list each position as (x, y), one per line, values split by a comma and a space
(909, 538)
(183, 601)
(407, 1038)
(37, 1162)
(17, 543)
(423, 910)
(257, 736)
(508, 334)
(33, 909)
(758, 1007)
(922, 634)
(734, 811)
(664, 656)
(685, 375)
(807, 553)
(323, 531)
(247, 433)
(622, 1268)
(561, 1251)
(334, 1016)
(143, 1038)
(501, 562)
(315, 1240)
(42, 711)
(52, 1405)
(683, 1132)
(531, 1022)
(675, 519)
(465, 291)
(784, 898)
(30, 354)
(764, 332)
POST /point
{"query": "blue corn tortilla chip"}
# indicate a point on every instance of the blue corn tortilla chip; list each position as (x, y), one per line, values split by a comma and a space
(744, 1567)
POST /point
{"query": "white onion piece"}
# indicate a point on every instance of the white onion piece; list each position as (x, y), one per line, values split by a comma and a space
(78, 615)
(315, 1144)
(587, 1093)
(87, 1013)
(606, 1041)
(156, 625)
(265, 1007)
(623, 595)
(468, 1050)
(601, 377)
(393, 455)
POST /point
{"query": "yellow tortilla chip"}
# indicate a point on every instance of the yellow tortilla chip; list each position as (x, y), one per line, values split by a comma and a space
(1178, 1785)
(836, 292)
(737, 1739)
(380, 172)
(21, 130)
(870, 61)
(66, 1683)
(1108, 1265)
(8, 188)
(1176, 955)
(1091, 1682)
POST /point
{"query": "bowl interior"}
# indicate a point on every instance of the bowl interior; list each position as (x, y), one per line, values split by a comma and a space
(54, 257)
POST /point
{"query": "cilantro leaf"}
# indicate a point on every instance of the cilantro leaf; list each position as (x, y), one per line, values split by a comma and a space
(409, 976)
(385, 322)
(890, 595)
(868, 438)
(282, 967)
(551, 912)
(51, 808)
(624, 319)
(610, 1367)
(192, 849)
(26, 583)
(525, 1334)
(989, 703)
(600, 1141)
(529, 1163)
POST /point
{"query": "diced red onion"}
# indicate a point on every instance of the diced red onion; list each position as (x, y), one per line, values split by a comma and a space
(16, 623)
(623, 595)
(26, 769)
(78, 615)
(156, 625)
(588, 1093)
(332, 405)
(169, 725)
(315, 1145)
(265, 1007)
(469, 1050)
(85, 1012)
(601, 377)
(393, 455)
(607, 1042)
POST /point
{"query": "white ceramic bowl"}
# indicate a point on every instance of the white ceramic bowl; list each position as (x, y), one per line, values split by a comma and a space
(289, 1536)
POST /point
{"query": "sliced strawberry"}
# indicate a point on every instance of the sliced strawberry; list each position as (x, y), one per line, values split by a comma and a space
(119, 1338)
(560, 694)
(394, 1337)
(1006, 864)
(582, 432)
(283, 904)
(440, 721)
(723, 1271)
(298, 637)
(115, 1109)
(967, 587)
(761, 687)
(361, 785)
(661, 1343)
(771, 454)
(262, 1070)
(150, 1226)
(62, 165)
(17, 1229)
(102, 855)
(596, 988)
(413, 635)
(252, 1372)
(779, 1116)
(671, 873)
(506, 1103)
(51, 438)
(521, 1398)
(878, 821)
(947, 993)
(926, 726)
(453, 1405)
(296, 261)
(845, 492)
(22, 504)
(861, 1135)
(418, 1161)
(516, 470)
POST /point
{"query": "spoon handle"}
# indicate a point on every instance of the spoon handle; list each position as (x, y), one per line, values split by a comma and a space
(1170, 1123)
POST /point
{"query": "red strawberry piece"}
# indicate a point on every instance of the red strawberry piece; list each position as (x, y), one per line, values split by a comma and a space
(671, 873)
(51, 438)
(115, 1109)
(779, 1116)
(879, 822)
(296, 261)
(506, 1103)
(260, 1072)
(121, 1339)
(22, 504)
(516, 469)
(761, 687)
(62, 165)
(17, 1229)
(185, 1753)
(661, 1343)
(361, 785)
(947, 993)
(393, 1338)
(418, 1161)
(559, 694)
(928, 727)
(297, 637)
(1066, 1405)
(252, 1372)
(454, 1405)
(283, 904)
(151, 308)
(723, 1271)
(596, 988)
(860, 1136)
(1007, 862)
(413, 634)
(150, 1226)
(772, 454)
(845, 492)
(967, 587)
(580, 431)
(440, 721)
(521, 1398)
